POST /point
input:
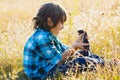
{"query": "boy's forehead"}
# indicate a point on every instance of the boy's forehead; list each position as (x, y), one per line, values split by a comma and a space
(63, 19)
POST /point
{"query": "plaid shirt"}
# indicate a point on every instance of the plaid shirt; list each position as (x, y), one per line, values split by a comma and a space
(41, 53)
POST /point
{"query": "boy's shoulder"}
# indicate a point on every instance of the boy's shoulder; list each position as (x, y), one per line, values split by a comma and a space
(41, 32)
(41, 35)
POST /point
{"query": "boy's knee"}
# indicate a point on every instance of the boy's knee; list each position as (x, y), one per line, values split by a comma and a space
(81, 61)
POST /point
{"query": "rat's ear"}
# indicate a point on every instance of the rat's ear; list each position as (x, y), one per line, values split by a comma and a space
(49, 22)
(80, 31)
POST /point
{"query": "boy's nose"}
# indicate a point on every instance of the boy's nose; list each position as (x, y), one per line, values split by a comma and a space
(62, 26)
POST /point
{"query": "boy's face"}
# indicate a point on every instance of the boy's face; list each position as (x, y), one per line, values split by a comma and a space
(55, 30)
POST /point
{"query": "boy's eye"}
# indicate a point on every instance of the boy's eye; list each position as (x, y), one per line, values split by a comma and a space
(61, 22)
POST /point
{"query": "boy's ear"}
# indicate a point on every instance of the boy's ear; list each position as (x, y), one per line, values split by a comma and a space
(49, 22)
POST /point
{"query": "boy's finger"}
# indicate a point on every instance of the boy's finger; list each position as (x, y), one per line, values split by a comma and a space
(85, 44)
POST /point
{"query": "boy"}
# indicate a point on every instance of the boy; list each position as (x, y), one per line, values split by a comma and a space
(43, 52)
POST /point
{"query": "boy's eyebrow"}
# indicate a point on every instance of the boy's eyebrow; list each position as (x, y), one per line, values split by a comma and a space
(61, 20)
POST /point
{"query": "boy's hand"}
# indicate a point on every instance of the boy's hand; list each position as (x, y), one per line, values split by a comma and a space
(79, 43)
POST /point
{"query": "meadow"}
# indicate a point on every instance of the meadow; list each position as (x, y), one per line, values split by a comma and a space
(100, 18)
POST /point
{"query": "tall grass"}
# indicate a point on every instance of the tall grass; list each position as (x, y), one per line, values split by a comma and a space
(100, 18)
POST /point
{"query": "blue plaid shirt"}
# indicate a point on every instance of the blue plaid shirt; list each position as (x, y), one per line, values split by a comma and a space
(41, 53)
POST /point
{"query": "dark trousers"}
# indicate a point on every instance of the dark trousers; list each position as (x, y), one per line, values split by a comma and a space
(67, 65)
(36, 78)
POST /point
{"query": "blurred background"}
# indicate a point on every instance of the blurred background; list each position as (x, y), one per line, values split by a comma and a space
(100, 18)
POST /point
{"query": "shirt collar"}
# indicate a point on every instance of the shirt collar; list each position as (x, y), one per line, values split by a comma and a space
(50, 35)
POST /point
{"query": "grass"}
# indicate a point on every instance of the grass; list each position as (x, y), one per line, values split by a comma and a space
(100, 18)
